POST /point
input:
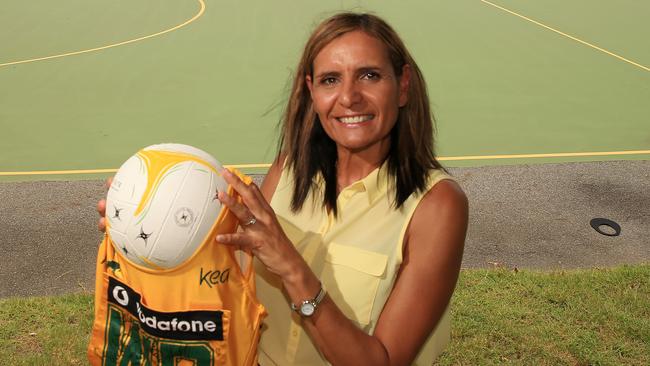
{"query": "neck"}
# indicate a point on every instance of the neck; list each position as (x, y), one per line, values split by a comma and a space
(354, 166)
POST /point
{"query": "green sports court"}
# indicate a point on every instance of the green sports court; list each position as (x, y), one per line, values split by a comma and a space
(83, 84)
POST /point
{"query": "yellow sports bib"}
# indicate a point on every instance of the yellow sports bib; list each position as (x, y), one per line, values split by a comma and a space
(202, 312)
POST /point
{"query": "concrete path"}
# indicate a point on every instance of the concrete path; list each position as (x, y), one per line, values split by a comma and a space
(524, 216)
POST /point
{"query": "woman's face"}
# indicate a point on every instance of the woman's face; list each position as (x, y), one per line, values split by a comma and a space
(356, 93)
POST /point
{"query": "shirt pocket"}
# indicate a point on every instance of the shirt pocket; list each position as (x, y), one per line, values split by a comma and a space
(351, 277)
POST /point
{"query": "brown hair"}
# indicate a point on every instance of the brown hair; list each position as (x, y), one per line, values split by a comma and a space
(310, 151)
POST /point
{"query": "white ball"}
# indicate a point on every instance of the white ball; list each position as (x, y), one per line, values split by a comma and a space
(162, 204)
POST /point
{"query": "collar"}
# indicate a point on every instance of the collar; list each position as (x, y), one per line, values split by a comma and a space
(374, 184)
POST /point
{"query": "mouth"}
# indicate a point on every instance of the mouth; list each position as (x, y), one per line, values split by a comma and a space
(352, 120)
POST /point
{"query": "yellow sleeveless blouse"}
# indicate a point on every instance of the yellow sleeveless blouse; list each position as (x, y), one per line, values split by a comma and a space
(357, 257)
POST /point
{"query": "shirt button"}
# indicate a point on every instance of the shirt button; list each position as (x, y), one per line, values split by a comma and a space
(295, 333)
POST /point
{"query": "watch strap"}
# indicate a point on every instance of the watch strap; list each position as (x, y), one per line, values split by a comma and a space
(315, 301)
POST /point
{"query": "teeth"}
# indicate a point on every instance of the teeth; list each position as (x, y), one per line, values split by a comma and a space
(356, 119)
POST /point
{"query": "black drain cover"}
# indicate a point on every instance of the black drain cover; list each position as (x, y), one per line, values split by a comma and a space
(599, 221)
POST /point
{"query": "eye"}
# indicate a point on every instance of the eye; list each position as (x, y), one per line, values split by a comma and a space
(370, 75)
(328, 81)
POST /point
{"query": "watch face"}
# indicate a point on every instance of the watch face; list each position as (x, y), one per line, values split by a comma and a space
(307, 309)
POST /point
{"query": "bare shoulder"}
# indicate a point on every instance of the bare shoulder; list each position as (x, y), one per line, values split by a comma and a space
(441, 214)
(272, 177)
(444, 198)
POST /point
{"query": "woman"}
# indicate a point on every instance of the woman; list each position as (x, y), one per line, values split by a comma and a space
(356, 180)
(357, 230)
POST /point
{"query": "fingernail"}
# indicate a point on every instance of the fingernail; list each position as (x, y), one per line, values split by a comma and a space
(220, 237)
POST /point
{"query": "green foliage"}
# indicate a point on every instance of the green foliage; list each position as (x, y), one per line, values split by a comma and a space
(500, 316)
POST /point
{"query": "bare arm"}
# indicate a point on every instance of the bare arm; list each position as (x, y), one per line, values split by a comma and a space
(432, 257)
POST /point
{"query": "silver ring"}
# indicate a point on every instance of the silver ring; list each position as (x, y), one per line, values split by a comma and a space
(252, 221)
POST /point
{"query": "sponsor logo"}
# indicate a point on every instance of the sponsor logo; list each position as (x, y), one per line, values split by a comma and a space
(214, 277)
(120, 295)
(186, 325)
(194, 326)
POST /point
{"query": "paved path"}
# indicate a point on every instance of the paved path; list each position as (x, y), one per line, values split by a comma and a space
(525, 216)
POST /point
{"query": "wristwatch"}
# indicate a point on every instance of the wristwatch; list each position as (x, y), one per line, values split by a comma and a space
(308, 307)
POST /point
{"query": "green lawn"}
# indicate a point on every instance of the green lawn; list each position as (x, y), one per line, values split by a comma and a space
(587, 317)
(500, 316)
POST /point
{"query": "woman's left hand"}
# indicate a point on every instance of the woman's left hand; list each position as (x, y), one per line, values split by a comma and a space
(262, 233)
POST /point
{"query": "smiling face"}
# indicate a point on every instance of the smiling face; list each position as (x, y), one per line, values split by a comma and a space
(356, 93)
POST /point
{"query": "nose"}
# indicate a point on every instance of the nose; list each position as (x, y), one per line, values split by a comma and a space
(349, 94)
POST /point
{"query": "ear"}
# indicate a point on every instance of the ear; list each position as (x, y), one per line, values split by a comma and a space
(404, 82)
(309, 83)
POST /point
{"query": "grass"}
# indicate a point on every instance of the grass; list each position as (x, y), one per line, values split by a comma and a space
(500, 316)
(45, 330)
(586, 317)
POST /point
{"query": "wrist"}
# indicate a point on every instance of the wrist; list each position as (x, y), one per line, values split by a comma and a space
(308, 307)
(300, 282)
(295, 272)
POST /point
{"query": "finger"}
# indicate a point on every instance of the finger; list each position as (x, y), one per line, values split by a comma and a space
(242, 212)
(242, 187)
(260, 197)
(101, 225)
(236, 239)
(108, 182)
(101, 207)
(255, 202)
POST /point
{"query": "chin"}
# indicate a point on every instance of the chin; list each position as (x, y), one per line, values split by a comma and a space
(357, 146)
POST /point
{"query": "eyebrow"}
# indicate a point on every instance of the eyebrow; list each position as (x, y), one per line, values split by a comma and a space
(363, 70)
(327, 74)
(360, 70)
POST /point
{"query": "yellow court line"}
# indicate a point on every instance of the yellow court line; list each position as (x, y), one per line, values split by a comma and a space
(201, 11)
(568, 36)
(60, 172)
(550, 155)
(100, 171)
(448, 158)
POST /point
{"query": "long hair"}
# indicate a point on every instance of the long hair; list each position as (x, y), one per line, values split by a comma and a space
(310, 151)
